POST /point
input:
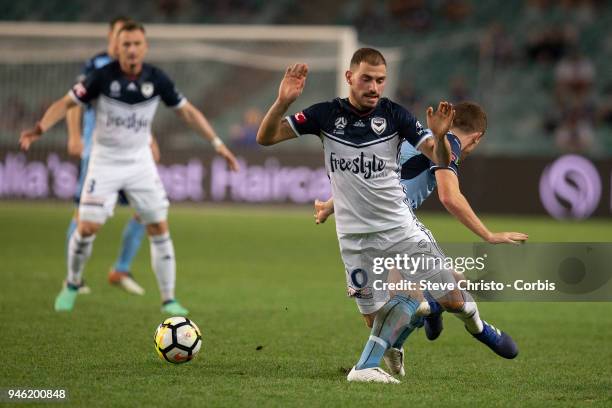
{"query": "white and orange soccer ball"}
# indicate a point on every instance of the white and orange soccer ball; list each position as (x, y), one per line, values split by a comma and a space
(177, 340)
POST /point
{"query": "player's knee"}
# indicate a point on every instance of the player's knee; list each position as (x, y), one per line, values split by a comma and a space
(87, 229)
(157, 228)
(452, 305)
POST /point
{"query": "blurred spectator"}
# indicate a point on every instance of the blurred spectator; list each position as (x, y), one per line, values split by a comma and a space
(575, 111)
(459, 90)
(245, 134)
(371, 17)
(456, 11)
(604, 111)
(581, 11)
(574, 76)
(411, 14)
(497, 45)
(170, 9)
(13, 114)
(536, 8)
(575, 135)
(551, 44)
(410, 98)
(578, 11)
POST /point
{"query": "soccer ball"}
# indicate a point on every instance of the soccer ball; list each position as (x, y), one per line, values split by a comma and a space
(177, 340)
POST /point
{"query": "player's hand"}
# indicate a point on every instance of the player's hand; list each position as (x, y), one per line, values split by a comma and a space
(75, 147)
(29, 136)
(322, 210)
(229, 157)
(293, 82)
(507, 238)
(440, 121)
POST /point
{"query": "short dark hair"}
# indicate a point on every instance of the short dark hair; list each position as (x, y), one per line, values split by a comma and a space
(470, 117)
(369, 56)
(132, 25)
(118, 19)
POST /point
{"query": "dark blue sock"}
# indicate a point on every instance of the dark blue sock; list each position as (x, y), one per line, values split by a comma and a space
(434, 306)
(130, 244)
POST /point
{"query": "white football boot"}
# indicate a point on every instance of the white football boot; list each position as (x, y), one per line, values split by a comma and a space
(394, 359)
(374, 374)
(126, 282)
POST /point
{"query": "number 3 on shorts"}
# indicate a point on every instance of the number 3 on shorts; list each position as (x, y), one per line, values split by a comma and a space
(91, 186)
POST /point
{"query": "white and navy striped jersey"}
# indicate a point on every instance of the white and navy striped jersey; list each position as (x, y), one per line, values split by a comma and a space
(362, 160)
(125, 108)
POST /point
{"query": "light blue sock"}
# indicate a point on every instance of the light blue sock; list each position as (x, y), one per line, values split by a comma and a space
(130, 244)
(390, 322)
(71, 227)
(399, 343)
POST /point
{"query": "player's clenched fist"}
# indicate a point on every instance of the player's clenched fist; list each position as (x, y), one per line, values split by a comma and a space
(322, 210)
(440, 121)
(293, 82)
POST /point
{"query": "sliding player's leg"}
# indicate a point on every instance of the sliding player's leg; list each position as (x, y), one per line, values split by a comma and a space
(461, 304)
(498, 341)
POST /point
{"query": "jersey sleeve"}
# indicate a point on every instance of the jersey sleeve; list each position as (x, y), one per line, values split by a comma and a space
(87, 69)
(85, 91)
(409, 128)
(455, 156)
(310, 120)
(168, 92)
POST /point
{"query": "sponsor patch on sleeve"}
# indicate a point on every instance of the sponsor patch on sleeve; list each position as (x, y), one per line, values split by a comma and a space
(79, 90)
(300, 117)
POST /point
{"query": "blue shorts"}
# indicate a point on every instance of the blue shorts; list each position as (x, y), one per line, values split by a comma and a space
(83, 164)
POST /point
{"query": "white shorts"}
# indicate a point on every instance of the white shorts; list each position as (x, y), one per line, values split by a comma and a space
(138, 179)
(360, 251)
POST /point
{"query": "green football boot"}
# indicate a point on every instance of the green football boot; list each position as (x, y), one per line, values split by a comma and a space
(174, 308)
(64, 302)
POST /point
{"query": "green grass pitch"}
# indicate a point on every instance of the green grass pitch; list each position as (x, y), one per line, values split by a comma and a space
(266, 286)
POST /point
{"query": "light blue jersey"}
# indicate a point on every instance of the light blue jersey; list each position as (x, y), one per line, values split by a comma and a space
(89, 115)
(418, 176)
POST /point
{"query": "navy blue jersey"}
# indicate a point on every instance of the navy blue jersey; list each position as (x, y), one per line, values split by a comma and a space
(418, 176)
(125, 107)
(362, 160)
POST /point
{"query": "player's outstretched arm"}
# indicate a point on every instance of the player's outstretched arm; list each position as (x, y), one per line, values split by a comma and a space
(54, 114)
(322, 210)
(274, 129)
(439, 122)
(196, 120)
(73, 123)
(455, 202)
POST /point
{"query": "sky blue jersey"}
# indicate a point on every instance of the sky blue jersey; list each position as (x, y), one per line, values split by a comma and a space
(418, 178)
(89, 114)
